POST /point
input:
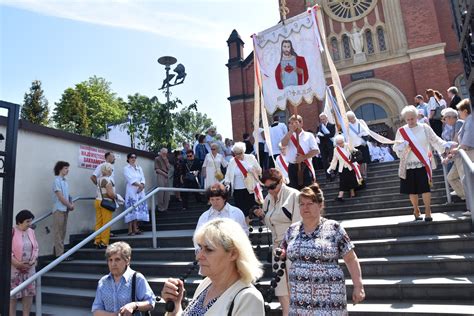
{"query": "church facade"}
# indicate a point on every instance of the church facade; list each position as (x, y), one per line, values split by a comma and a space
(386, 52)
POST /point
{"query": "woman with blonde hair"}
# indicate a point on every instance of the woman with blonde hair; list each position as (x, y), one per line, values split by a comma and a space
(106, 202)
(227, 260)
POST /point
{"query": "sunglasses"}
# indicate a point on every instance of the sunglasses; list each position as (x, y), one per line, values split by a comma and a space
(272, 186)
(133, 157)
(213, 148)
(189, 155)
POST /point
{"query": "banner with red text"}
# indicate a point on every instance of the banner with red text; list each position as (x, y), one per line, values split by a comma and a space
(90, 157)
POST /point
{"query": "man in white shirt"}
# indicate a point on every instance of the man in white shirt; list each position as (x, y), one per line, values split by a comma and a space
(110, 158)
(217, 196)
(299, 159)
(277, 132)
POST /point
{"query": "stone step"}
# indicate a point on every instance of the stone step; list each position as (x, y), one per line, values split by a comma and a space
(426, 264)
(409, 245)
(407, 287)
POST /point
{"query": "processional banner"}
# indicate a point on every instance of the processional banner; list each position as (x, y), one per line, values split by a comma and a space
(289, 58)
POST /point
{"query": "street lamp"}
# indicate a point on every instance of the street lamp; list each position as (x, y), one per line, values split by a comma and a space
(167, 61)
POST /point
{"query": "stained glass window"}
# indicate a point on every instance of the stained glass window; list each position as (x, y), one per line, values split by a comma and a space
(335, 49)
(369, 41)
(347, 47)
(381, 39)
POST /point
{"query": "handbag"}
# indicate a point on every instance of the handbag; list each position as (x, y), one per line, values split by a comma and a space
(218, 174)
(134, 283)
(108, 204)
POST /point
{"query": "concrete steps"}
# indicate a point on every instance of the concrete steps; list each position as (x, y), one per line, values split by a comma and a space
(409, 268)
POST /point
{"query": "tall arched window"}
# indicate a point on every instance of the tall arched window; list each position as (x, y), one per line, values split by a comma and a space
(381, 39)
(370, 112)
(347, 47)
(370, 42)
(335, 49)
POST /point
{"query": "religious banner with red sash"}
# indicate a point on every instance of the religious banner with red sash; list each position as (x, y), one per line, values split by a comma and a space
(419, 152)
(301, 152)
(354, 165)
(257, 190)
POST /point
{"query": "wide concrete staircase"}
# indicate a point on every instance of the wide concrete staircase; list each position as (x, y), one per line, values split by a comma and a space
(409, 268)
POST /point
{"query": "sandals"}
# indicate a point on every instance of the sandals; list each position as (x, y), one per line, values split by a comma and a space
(428, 219)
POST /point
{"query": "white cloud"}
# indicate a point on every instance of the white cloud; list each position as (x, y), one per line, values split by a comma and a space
(193, 22)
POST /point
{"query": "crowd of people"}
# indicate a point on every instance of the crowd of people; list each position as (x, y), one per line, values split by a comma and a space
(306, 245)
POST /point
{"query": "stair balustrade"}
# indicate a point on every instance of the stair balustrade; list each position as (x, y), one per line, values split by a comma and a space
(37, 276)
(468, 183)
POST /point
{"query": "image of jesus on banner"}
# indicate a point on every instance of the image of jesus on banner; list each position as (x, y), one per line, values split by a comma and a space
(292, 69)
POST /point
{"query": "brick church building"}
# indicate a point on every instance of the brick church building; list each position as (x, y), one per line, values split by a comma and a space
(409, 46)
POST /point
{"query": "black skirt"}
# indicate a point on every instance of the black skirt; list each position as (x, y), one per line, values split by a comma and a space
(416, 182)
(244, 200)
(347, 180)
(364, 149)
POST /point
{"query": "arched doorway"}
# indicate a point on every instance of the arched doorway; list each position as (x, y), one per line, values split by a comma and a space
(377, 102)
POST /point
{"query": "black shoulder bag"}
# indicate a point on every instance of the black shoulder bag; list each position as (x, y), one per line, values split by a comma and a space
(134, 283)
(231, 308)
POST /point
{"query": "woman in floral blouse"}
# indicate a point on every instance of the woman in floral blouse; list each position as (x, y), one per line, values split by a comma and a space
(314, 245)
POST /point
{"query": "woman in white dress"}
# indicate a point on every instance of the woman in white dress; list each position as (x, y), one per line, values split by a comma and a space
(212, 166)
(134, 192)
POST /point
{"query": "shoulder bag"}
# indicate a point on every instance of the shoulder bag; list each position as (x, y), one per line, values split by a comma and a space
(218, 173)
(134, 283)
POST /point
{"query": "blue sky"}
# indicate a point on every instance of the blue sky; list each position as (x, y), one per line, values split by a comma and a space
(65, 42)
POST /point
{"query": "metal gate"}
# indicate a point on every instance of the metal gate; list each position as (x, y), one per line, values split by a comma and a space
(8, 138)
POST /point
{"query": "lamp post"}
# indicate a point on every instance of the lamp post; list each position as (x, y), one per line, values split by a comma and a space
(167, 61)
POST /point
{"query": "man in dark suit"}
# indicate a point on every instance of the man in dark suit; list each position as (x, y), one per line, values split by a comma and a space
(325, 133)
(454, 97)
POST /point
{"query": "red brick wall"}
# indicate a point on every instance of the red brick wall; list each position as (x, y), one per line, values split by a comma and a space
(421, 23)
(446, 25)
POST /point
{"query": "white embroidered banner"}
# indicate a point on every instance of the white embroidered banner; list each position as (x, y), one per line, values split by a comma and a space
(290, 62)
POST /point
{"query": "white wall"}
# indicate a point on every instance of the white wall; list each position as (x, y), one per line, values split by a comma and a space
(36, 156)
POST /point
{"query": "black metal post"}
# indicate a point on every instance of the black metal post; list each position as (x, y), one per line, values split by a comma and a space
(6, 212)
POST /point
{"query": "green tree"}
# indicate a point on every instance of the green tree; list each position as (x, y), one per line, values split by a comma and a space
(70, 113)
(189, 122)
(35, 106)
(97, 105)
(157, 124)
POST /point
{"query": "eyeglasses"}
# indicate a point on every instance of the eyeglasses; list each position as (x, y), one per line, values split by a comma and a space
(189, 155)
(272, 186)
(213, 148)
(237, 154)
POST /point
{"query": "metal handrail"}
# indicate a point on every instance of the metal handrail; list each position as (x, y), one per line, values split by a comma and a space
(44, 216)
(468, 183)
(54, 263)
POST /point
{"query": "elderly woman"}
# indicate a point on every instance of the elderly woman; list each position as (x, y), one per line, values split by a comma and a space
(105, 192)
(413, 142)
(466, 142)
(134, 192)
(358, 137)
(114, 291)
(242, 174)
(24, 258)
(211, 168)
(349, 171)
(227, 260)
(280, 210)
(314, 245)
(451, 125)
